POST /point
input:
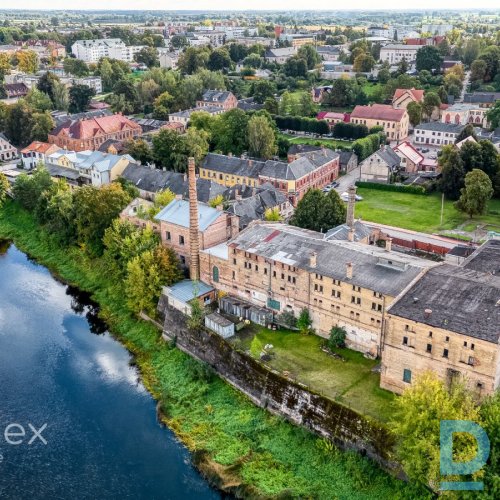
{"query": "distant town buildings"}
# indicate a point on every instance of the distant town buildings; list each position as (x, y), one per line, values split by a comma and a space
(91, 51)
(394, 53)
(394, 121)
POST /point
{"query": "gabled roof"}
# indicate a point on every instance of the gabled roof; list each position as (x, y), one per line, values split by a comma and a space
(177, 212)
(233, 165)
(40, 147)
(378, 112)
(387, 155)
(406, 149)
(16, 89)
(220, 96)
(342, 232)
(440, 127)
(418, 95)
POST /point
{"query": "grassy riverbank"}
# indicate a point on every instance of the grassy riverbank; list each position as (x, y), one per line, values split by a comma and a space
(239, 445)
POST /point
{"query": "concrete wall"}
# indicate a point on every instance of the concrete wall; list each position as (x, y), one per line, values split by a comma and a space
(279, 395)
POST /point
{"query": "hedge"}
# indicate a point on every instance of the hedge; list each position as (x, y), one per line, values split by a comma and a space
(302, 124)
(392, 187)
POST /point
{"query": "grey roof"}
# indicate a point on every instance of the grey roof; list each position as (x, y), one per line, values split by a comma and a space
(373, 267)
(387, 154)
(61, 117)
(345, 156)
(233, 165)
(460, 300)
(249, 104)
(219, 320)
(486, 258)
(295, 149)
(177, 212)
(67, 173)
(482, 97)
(342, 232)
(216, 96)
(284, 52)
(187, 290)
(440, 127)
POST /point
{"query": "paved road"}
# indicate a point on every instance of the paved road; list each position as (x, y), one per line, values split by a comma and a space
(347, 180)
(464, 88)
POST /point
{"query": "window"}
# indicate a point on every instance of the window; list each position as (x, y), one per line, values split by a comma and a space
(265, 271)
(472, 346)
(429, 348)
(470, 361)
(465, 344)
(234, 261)
(447, 339)
(215, 274)
(181, 239)
(430, 335)
(407, 376)
(445, 353)
(168, 236)
(405, 340)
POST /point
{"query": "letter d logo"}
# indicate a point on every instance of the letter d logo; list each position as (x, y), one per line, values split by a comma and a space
(448, 467)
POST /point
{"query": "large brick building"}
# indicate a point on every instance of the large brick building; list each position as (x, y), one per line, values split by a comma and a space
(394, 121)
(90, 133)
(447, 322)
(314, 169)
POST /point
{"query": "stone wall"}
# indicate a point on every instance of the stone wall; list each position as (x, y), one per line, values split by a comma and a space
(270, 390)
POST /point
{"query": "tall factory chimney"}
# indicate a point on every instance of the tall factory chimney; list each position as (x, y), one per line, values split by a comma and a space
(194, 234)
(351, 200)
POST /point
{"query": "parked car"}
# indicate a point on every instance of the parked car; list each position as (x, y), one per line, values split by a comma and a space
(335, 184)
(345, 196)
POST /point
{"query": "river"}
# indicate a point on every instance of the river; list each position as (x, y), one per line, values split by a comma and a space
(59, 367)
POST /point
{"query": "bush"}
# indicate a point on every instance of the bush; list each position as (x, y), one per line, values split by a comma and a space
(349, 131)
(337, 338)
(288, 319)
(392, 187)
(367, 146)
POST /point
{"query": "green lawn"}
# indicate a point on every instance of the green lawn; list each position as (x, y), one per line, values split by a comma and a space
(416, 212)
(332, 143)
(350, 381)
(371, 88)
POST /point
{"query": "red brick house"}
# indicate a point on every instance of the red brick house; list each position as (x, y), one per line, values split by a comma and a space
(89, 134)
(218, 99)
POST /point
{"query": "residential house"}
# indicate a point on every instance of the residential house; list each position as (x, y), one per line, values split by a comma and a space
(328, 52)
(348, 161)
(36, 153)
(7, 150)
(379, 166)
(394, 121)
(91, 51)
(331, 117)
(280, 56)
(403, 97)
(482, 99)
(411, 159)
(297, 39)
(296, 150)
(89, 134)
(463, 113)
(394, 53)
(183, 117)
(214, 227)
(218, 99)
(15, 90)
(436, 133)
(447, 322)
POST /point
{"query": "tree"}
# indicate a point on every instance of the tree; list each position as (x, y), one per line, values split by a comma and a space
(38, 101)
(60, 96)
(107, 74)
(471, 51)
(219, 60)
(193, 59)
(230, 133)
(27, 61)
(430, 103)
(75, 67)
(429, 58)
(4, 186)
(310, 54)
(261, 138)
(262, 90)
(295, 67)
(19, 123)
(95, 209)
(46, 84)
(416, 424)
(126, 89)
(5, 65)
(197, 313)
(162, 105)
(253, 61)
(304, 321)
(452, 172)
(363, 63)
(42, 124)
(475, 195)
(272, 215)
(29, 188)
(147, 56)
(344, 92)
(139, 150)
(59, 214)
(80, 97)
(383, 76)
(478, 70)
(179, 41)
(493, 115)
(467, 131)
(491, 56)
(319, 212)
(414, 110)
(337, 338)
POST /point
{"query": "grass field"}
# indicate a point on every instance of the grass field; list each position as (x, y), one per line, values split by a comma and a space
(371, 88)
(331, 143)
(416, 212)
(350, 381)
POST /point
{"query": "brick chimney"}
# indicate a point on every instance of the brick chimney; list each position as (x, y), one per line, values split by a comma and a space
(350, 235)
(388, 244)
(194, 237)
(348, 270)
(351, 200)
(313, 259)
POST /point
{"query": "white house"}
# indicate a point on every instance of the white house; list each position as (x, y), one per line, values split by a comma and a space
(7, 150)
(91, 51)
(394, 53)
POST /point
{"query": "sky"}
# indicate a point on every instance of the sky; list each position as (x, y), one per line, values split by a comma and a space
(245, 5)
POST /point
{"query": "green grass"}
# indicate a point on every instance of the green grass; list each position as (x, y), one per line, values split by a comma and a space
(332, 143)
(416, 212)
(350, 382)
(370, 88)
(238, 444)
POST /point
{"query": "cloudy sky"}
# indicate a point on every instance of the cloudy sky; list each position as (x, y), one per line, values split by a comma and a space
(242, 4)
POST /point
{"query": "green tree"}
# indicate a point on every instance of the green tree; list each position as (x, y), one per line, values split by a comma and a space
(414, 110)
(467, 131)
(230, 135)
(478, 70)
(319, 211)
(429, 58)
(430, 103)
(475, 195)
(161, 106)
(272, 215)
(126, 89)
(95, 209)
(219, 60)
(304, 321)
(75, 67)
(38, 101)
(493, 115)
(4, 186)
(28, 189)
(337, 338)
(107, 74)
(310, 54)
(42, 124)
(197, 314)
(80, 97)
(147, 56)
(471, 51)
(261, 138)
(416, 423)
(164, 197)
(60, 96)
(59, 214)
(383, 76)
(491, 56)
(46, 84)
(253, 61)
(193, 59)
(363, 63)
(179, 42)
(452, 172)
(27, 61)
(139, 150)
(262, 90)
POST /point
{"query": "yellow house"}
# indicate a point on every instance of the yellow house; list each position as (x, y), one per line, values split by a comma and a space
(231, 170)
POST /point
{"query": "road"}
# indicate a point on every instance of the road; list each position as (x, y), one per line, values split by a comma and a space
(464, 87)
(347, 180)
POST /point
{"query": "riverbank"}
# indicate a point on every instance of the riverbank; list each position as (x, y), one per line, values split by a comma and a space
(239, 447)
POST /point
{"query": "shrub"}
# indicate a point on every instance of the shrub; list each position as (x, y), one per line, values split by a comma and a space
(392, 187)
(337, 338)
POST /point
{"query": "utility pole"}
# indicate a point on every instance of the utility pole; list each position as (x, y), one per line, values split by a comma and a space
(442, 208)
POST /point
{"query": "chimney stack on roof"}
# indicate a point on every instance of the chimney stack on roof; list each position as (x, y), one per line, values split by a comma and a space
(427, 313)
(350, 235)
(348, 271)
(388, 244)
(313, 259)
(194, 247)
(351, 200)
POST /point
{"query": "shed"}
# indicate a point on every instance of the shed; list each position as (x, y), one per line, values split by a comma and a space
(220, 325)
(182, 293)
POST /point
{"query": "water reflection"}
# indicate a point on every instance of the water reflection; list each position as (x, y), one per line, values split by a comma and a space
(4, 246)
(83, 305)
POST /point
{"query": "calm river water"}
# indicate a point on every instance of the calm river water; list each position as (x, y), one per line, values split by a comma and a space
(59, 367)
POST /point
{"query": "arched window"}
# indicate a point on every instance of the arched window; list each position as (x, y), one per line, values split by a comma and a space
(448, 118)
(457, 119)
(215, 274)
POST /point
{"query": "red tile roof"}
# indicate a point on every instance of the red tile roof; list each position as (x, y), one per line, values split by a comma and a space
(417, 94)
(92, 127)
(38, 147)
(378, 112)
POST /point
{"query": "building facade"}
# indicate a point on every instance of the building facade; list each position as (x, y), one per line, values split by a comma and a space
(394, 53)
(91, 51)
(394, 121)
(436, 133)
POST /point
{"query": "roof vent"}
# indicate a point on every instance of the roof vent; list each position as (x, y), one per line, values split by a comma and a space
(427, 313)
(415, 300)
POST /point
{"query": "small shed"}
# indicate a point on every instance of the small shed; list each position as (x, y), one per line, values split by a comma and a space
(245, 310)
(220, 325)
(182, 293)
